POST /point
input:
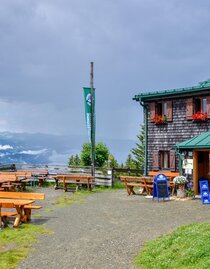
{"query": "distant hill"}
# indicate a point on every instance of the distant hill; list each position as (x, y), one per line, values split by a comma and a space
(46, 148)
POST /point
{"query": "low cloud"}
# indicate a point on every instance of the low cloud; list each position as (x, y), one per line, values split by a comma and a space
(5, 147)
(33, 152)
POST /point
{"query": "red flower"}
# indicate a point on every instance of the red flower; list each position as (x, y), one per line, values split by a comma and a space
(200, 116)
(158, 119)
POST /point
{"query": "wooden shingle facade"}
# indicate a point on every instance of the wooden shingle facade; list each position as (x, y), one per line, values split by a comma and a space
(171, 117)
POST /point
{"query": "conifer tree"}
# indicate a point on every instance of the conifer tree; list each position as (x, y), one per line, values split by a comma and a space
(139, 151)
(77, 160)
(130, 163)
(71, 160)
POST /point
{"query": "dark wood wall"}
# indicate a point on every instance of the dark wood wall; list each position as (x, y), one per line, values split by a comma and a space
(165, 136)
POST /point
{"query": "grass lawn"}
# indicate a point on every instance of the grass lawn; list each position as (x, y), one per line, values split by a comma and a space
(16, 243)
(188, 247)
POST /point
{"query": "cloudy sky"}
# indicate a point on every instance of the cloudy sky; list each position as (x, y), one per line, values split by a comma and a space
(46, 47)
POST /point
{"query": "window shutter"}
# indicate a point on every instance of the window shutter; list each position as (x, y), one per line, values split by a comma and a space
(152, 110)
(172, 160)
(189, 108)
(155, 160)
(208, 106)
(169, 111)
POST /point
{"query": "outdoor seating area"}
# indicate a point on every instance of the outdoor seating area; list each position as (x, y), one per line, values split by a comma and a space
(20, 204)
(146, 183)
(16, 205)
(17, 181)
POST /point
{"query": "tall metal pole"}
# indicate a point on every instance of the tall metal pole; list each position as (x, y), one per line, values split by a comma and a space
(92, 122)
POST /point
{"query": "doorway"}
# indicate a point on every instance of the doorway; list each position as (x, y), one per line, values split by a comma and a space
(201, 167)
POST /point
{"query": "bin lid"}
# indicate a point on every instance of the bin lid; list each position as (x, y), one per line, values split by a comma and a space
(160, 177)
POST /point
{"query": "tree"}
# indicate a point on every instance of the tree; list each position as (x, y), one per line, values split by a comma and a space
(130, 162)
(71, 160)
(139, 151)
(77, 160)
(112, 161)
(101, 154)
(86, 154)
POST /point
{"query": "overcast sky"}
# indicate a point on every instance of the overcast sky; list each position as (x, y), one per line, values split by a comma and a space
(46, 47)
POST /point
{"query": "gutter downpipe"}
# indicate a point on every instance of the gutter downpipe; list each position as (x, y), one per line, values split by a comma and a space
(180, 160)
(145, 107)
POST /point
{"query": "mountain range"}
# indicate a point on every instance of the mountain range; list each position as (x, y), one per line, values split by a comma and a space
(38, 148)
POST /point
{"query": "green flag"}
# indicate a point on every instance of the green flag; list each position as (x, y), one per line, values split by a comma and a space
(87, 99)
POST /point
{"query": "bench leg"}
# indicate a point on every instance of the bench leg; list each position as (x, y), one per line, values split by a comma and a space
(65, 187)
(130, 190)
(27, 212)
(4, 222)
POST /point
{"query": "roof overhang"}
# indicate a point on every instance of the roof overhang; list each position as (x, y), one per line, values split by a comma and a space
(201, 87)
(201, 141)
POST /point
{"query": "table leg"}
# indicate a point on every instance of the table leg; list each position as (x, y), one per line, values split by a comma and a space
(20, 216)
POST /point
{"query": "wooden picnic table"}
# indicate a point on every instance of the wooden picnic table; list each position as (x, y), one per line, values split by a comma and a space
(75, 179)
(19, 206)
(145, 182)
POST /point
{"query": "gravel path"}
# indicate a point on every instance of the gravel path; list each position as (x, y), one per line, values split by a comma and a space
(107, 231)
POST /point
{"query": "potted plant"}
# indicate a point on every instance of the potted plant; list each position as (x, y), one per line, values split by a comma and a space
(180, 182)
(200, 116)
(159, 119)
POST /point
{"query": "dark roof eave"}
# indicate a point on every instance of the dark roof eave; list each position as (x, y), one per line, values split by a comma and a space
(194, 147)
(153, 95)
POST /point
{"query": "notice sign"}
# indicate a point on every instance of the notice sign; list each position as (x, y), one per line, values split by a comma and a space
(187, 164)
(162, 189)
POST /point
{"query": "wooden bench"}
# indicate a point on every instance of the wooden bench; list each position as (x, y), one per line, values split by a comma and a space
(169, 175)
(146, 183)
(5, 214)
(25, 195)
(41, 176)
(8, 182)
(17, 179)
(75, 179)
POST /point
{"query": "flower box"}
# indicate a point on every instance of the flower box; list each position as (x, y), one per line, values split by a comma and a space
(180, 180)
(159, 119)
(200, 116)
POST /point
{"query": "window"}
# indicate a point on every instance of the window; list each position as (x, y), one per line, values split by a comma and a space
(161, 108)
(197, 105)
(164, 160)
(200, 105)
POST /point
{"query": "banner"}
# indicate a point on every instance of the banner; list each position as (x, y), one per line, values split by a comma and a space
(87, 99)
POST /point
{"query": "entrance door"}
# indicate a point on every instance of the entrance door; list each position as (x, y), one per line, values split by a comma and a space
(201, 167)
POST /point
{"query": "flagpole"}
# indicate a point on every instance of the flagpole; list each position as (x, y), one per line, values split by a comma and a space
(92, 122)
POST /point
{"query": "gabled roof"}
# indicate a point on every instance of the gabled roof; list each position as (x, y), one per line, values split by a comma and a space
(200, 141)
(202, 86)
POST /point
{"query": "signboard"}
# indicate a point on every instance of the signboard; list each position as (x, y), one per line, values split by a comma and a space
(160, 187)
(187, 164)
